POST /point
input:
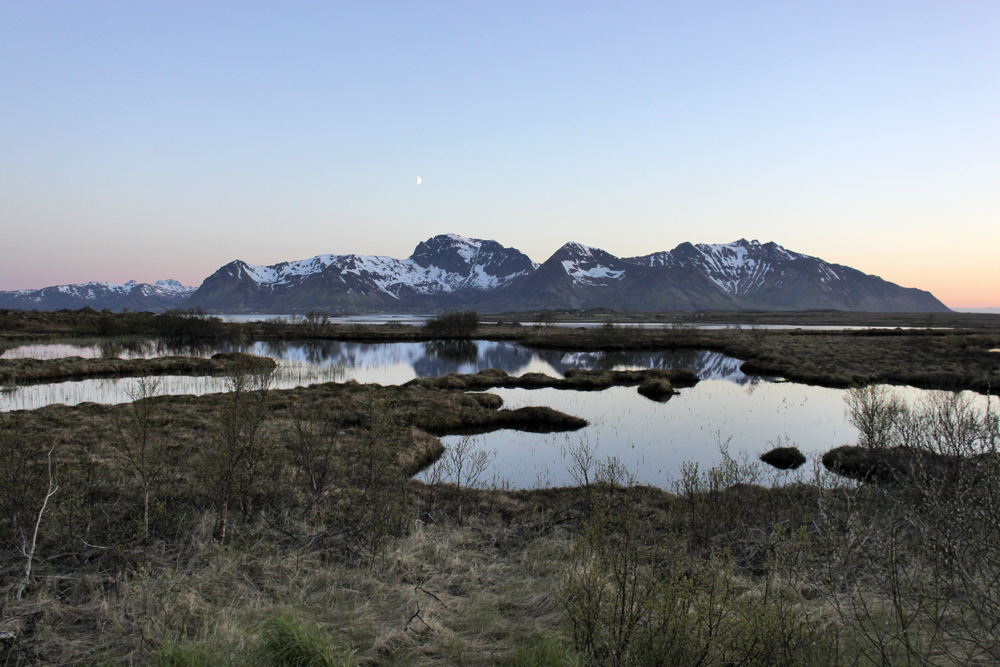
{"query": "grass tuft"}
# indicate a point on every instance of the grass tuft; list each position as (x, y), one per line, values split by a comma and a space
(187, 655)
(288, 640)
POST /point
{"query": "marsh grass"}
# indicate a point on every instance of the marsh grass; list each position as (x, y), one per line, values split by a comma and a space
(732, 566)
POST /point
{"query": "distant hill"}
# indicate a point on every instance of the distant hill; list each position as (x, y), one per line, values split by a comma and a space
(993, 311)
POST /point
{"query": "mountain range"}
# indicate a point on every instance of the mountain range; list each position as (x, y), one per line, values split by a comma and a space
(157, 297)
(452, 272)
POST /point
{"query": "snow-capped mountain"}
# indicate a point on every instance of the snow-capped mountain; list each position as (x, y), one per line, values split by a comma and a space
(159, 296)
(451, 271)
(769, 277)
(446, 270)
(739, 268)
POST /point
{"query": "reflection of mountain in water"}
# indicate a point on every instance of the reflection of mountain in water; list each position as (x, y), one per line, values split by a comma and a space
(508, 357)
(436, 358)
(427, 359)
(708, 365)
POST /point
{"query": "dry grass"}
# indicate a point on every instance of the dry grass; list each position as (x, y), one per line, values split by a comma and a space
(444, 594)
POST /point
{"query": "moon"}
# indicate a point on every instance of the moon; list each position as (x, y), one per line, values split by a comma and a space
(419, 180)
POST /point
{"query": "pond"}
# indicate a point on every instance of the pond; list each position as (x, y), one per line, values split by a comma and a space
(304, 363)
(651, 439)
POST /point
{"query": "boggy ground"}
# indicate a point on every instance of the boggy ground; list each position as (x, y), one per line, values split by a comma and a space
(331, 549)
(955, 359)
(186, 423)
(33, 371)
(576, 379)
(719, 571)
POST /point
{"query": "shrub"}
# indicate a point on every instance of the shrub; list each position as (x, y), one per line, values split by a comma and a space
(630, 600)
(877, 412)
(232, 465)
(373, 497)
(458, 324)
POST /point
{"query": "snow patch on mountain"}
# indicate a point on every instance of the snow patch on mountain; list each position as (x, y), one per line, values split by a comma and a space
(740, 268)
(468, 262)
(468, 249)
(97, 289)
(588, 276)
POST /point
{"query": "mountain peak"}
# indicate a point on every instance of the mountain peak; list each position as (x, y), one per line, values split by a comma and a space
(579, 249)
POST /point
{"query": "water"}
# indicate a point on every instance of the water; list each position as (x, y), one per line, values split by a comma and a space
(304, 363)
(333, 319)
(651, 439)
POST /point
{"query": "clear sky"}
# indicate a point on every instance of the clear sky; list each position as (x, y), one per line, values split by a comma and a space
(146, 140)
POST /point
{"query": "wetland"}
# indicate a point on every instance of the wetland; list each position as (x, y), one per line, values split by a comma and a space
(437, 497)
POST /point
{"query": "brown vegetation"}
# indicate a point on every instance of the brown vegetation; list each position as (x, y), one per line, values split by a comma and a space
(287, 529)
(578, 380)
(33, 371)
(928, 357)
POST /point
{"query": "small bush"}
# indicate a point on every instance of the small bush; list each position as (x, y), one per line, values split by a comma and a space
(458, 324)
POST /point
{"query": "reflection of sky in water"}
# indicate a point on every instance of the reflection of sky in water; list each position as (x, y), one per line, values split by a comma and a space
(109, 391)
(654, 439)
(307, 362)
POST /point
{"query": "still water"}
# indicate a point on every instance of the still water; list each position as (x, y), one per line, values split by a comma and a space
(652, 439)
(304, 363)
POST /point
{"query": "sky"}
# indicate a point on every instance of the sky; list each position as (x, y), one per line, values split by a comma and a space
(148, 140)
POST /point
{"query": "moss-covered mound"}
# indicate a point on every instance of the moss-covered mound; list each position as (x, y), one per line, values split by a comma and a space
(784, 458)
(905, 465)
(657, 390)
(578, 380)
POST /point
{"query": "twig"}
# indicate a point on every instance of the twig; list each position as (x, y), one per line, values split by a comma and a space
(422, 590)
(53, 487)
(416, 614)
(93, 546)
